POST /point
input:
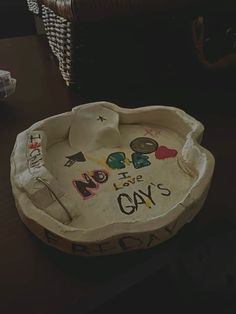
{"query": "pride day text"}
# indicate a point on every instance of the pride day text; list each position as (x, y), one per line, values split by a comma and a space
(123, 243)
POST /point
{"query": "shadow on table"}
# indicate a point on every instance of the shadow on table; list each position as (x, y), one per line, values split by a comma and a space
(194, 270)
(201, 279)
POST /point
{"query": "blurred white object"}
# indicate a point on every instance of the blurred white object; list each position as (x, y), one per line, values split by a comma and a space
(7, 84)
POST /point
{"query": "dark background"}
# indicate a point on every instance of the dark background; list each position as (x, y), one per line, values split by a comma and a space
(15, 19)
(201, 278)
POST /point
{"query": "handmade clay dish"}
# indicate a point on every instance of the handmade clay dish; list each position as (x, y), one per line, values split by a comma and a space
(104, 179)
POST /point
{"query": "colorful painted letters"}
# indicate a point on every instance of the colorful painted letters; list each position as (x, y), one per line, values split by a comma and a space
(35, 154)
(119, 161)
(116, 160)
(90, 183)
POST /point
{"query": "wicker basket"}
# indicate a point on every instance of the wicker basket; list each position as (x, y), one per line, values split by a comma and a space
(60, 37)
(34, 6)
(119, 52)
(111, 45)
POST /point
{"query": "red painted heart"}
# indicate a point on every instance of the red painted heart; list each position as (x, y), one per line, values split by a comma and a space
(164, 152)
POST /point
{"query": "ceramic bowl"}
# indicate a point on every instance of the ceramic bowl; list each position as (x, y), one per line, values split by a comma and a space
(102, 179)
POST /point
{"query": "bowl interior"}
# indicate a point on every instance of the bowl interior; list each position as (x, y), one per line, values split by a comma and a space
(137, 180)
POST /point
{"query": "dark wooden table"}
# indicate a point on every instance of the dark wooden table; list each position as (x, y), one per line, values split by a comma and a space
(37, 279)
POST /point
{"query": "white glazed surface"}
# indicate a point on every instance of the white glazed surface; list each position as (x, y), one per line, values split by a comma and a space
(136, 206)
